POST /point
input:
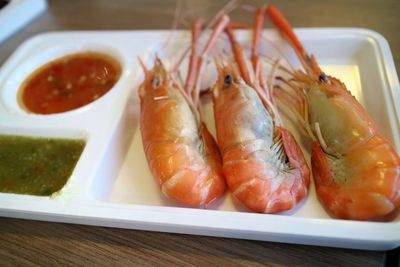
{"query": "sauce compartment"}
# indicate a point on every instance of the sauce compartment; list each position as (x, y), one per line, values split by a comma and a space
(31, 161)
(101, 120)
(27, 69)
(68, 83)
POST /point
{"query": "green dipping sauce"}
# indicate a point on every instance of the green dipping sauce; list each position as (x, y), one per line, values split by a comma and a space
(37, 166)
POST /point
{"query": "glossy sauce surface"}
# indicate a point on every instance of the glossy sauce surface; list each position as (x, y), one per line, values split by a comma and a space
(69, 83)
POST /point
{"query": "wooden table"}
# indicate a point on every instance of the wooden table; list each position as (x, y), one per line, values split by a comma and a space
(24, 242)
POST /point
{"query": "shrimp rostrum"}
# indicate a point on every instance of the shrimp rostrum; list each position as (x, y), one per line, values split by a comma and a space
(181, 153)
(262, 162)
(355, 168)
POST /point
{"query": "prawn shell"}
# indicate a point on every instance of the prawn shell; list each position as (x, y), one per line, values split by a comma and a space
(372, 188)
(255, 173)
(261, 188)
(171, 136)
(370, 167)
(356, 170)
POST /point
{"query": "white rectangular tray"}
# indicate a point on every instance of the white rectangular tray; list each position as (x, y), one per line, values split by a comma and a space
(112, 185)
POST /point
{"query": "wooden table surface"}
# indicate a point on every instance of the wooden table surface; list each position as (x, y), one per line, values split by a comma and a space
(24, 242)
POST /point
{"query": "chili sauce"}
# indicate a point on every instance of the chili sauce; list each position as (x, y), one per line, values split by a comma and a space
(69, 83)
(37, 166)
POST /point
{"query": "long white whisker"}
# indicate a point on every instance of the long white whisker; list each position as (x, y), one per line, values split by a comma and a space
(279, 50)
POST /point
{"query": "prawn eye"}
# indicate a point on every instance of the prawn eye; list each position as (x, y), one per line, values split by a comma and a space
(155, 83)
(227, 80)
(323, 77)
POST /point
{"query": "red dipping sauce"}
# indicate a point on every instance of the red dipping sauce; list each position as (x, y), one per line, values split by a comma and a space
(69, 83)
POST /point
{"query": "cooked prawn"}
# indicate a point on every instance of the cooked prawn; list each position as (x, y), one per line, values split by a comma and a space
(181, 153)
(264, 167)
(356, 169)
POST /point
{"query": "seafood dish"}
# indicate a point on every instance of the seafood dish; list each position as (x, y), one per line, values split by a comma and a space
(356, 170)
(227, 129)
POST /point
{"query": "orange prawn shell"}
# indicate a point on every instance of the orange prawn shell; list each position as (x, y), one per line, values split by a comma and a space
(169, 129)
(257, 195)
(356, 170)
(373, 193)
(372, 187)
(248, 177)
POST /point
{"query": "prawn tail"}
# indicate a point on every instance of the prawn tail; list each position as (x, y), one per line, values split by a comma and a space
(193, 183)
(354, 204)
(194, 188)
(362, 196)
(265, 189)
(244, 173)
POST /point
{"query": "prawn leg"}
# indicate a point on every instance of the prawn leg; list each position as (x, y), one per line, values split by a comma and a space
(298, 162)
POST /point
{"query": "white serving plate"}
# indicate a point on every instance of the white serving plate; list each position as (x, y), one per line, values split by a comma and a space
(112, 185)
